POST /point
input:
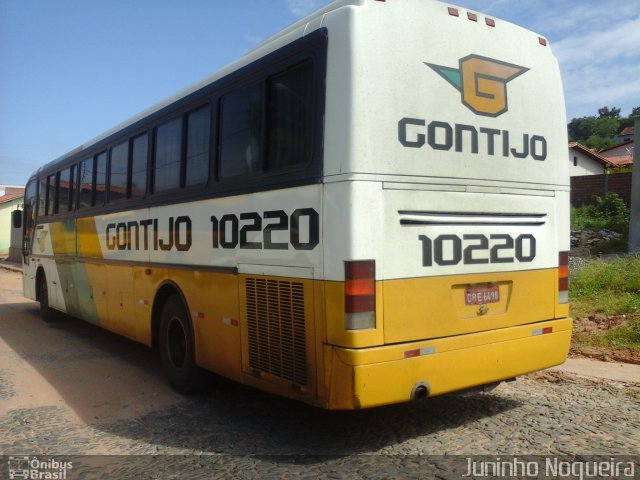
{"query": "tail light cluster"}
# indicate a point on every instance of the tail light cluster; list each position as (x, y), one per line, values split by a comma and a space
(563, 277)
(360, 294)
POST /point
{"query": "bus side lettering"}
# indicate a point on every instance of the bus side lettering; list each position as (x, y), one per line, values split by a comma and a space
(303, 226)
(126, 236)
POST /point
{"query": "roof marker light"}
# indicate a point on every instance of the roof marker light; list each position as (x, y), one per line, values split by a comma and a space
(542, 41)
(472, 16)
(453, 12)
(490, 21)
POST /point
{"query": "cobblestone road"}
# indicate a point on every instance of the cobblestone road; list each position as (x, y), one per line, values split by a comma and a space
(70, 389)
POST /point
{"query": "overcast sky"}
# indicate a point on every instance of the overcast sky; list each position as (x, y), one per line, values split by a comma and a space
(72, 69)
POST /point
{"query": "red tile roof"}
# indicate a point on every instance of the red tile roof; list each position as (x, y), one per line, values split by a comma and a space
(591, 153)
(621, 161)
(10, 196)
(628, 142)
(627, 131)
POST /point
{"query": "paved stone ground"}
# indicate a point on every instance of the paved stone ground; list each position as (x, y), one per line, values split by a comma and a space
(255, 435)
(233, 431)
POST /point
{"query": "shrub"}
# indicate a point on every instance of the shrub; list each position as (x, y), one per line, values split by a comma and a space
(609, 213)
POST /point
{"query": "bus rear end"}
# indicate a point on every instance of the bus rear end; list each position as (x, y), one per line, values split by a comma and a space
(446, 203)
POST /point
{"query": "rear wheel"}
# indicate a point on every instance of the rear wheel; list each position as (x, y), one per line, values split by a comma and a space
(177, 347)
(46, 312)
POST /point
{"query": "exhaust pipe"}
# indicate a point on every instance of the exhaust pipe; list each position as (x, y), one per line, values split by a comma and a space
(420, 391)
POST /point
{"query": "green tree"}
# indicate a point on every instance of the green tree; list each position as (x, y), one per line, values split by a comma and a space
(604, 112)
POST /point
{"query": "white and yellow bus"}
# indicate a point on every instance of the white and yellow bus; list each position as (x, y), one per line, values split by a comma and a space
(371, 207)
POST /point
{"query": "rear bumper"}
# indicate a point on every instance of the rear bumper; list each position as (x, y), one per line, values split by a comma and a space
(361, 378)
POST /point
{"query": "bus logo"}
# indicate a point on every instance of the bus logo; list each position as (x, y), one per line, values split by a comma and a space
(482, 82)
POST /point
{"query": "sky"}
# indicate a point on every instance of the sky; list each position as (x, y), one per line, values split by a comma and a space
(73, 69)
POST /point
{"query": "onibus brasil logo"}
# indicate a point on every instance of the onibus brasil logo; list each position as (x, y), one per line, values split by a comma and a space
(482, 82)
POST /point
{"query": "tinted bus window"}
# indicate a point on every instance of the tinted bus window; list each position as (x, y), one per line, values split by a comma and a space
(51, 193)
(198, 132)
(241, 132)
(42, 198)
(56, 192)
(291, 117)
(168, 147)
(101, 178)
(85, 180)
(118, 171)
(139, 166)
(63, 191)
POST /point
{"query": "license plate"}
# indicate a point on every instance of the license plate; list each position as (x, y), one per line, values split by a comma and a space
(482, 295)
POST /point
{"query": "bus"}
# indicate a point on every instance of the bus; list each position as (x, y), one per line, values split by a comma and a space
(370, 207)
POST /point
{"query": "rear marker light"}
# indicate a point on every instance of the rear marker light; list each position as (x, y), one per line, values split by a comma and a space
(360, 294)
(453, 12)
(472, 16)
(563, 277)
(418, 352)
(490, 21)
(542, 331)
(542, 41)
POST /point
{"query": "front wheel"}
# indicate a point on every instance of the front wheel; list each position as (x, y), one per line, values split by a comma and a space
(177, 347)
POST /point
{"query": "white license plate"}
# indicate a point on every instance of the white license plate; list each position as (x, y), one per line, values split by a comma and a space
(482, 295)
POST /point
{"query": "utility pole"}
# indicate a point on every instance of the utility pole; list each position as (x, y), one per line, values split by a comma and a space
(634, 226)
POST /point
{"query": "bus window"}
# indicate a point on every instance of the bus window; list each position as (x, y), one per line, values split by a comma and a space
(118, 171)
(291, 117)
(51, 193)
(198, 130)
(56, 192)
(168, 147)
(241, 132)
(85, 180)
(139, 166)
(30, 205)
(64, 191)
(101, 177)
(42, 198)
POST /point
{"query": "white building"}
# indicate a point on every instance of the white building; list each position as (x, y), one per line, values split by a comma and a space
(11, 198)
(585, 161)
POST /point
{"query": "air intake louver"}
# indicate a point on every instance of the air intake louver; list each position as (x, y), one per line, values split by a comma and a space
(276, 328)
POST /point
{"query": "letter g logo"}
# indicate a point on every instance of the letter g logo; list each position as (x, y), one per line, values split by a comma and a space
(482, 82)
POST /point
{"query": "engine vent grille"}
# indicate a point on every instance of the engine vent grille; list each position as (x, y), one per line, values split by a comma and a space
(276, 328)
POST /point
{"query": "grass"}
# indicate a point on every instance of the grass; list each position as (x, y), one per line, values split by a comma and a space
(609, 288)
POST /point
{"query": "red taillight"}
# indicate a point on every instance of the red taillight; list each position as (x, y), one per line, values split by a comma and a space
(563, 277)
(359, 294)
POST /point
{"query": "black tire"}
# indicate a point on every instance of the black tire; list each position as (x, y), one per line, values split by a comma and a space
(47, 314)
(177, 348)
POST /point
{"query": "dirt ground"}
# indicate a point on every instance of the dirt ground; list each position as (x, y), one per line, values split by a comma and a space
(597, 325)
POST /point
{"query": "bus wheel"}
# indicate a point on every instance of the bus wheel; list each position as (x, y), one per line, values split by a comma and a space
(47, 314)
(177, 348)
